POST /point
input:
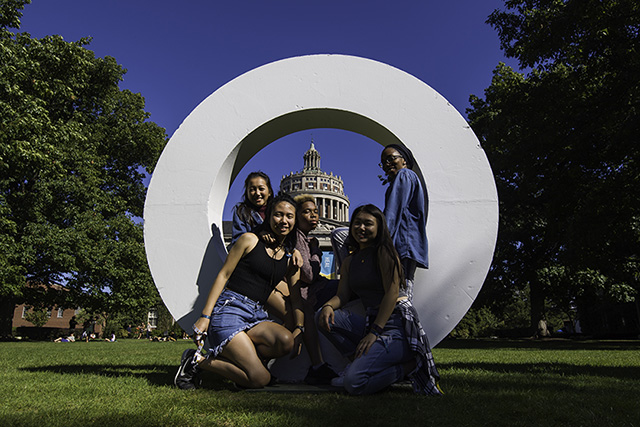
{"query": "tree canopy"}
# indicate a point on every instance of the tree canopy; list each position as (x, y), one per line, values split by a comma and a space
(562, 139)
(73, 153)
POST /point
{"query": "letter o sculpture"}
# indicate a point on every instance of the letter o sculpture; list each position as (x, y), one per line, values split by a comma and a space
(187, 193)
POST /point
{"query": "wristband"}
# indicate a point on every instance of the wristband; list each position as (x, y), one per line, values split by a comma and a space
(327, 305)
(301, 327)
(205, 316)
(376, 330)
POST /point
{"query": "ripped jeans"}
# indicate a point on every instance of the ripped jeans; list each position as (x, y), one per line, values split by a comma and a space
(382, 365)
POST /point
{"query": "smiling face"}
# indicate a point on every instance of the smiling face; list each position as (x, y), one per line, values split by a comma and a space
(282, 219)
(364, 229)
(258, 192)
(307, 216)
(391, 162)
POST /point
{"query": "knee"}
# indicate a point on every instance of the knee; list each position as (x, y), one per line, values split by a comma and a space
(258, 379)
(284, 342)
(354, 383)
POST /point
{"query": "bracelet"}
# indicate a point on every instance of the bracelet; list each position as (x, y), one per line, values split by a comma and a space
(205, 316)
(327, 305)
(301, 327)
(375, 329)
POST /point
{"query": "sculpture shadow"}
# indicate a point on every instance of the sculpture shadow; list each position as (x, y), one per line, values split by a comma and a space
(155, 374)
(212, 262)
(160, 375)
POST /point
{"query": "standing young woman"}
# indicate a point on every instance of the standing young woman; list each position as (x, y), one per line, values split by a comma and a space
(390, 344)
(250, 212)
(405, 210)
(240, 335)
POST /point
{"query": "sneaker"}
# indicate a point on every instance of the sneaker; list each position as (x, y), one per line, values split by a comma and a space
(338, 381)
(320, 375)
(188, 375)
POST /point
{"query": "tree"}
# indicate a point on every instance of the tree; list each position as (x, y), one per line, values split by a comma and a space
(73, 151)
(562, 140)
(37, 317)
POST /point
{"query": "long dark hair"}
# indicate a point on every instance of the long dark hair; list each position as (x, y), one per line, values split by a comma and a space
(385, 252)
(289, 241)
(245, 207)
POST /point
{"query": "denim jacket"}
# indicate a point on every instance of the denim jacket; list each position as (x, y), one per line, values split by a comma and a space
(407, 217)
(240, 227)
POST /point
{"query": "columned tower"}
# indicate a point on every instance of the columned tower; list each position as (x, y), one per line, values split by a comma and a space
(327, 188)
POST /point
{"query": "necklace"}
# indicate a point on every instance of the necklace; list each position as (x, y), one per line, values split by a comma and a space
(276, 250)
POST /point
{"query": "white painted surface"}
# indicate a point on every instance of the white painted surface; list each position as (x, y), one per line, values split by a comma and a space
(188, 189)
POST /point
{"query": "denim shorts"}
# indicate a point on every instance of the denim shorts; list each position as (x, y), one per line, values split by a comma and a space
(232, 314)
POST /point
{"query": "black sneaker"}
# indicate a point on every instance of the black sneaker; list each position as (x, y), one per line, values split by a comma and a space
(187, 377)
(320, 375)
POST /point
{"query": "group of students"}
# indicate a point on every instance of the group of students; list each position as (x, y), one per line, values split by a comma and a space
(273, 267)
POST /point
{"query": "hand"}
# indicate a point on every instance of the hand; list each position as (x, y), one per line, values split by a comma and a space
(314, 243)
(200, 328)
(267, 237)
(327, 317)
(297, 344)
(297, 259)
(198, 339)
(365, 344)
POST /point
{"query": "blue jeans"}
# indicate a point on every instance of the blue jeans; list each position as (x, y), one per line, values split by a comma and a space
(382, 365)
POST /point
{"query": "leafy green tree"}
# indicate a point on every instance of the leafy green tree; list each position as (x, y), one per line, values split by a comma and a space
(37, 317)
(562, 140)
(73, 152)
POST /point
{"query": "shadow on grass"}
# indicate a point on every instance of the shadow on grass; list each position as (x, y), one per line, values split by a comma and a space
(547, 368)
(156, 374)
(159, 375)
(544, 344)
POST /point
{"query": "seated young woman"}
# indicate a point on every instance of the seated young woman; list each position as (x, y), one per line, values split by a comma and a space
(240, 335)
(390, 344)
(315, 289)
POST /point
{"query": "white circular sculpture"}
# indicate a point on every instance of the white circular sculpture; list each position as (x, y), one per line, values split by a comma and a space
(187, 193)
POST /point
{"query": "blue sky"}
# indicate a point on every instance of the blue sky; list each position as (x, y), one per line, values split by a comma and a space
(178, 53)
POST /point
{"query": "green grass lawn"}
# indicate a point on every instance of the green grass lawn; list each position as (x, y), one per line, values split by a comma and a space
(510, 383)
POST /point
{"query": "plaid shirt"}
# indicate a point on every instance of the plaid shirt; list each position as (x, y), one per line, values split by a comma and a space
(424, 377)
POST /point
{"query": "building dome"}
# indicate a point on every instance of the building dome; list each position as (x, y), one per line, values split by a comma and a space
(327, 188)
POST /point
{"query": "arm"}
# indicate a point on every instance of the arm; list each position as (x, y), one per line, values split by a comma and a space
(342, 297)
(391, 284)
(293, 280)
(316, 258)
(398, 200)
(245, 244)
(239, 227)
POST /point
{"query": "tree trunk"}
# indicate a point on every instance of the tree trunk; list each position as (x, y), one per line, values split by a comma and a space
(7, 306)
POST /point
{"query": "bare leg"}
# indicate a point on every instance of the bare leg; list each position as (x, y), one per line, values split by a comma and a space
(310, 337)
(279, 305)
(241, 361)
(271, 340)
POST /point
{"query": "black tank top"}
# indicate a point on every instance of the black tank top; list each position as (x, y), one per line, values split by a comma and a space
(257, 274)
(364, 277)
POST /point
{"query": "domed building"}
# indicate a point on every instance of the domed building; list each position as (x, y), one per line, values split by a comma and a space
(333, 204)
(327, 188)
